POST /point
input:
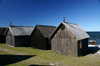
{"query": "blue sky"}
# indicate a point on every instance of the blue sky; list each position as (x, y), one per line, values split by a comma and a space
(85, 13)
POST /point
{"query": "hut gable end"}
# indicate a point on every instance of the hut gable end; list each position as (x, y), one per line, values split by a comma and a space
(74, 29)
(46, 30)
(9, 32)
(40, 37)
(36, 33)
(63, 32)
(9, 38)
(37, 39)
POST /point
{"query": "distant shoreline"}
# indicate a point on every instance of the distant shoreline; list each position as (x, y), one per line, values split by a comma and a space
(92, 31)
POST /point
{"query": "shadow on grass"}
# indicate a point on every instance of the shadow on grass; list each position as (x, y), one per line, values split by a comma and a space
(9, 59)
(93, 49)
(40, 65)
(2, 43)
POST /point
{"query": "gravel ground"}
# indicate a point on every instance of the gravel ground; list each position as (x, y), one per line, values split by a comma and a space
(95, 50)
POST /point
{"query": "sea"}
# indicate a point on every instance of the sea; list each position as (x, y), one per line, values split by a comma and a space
(94, 36)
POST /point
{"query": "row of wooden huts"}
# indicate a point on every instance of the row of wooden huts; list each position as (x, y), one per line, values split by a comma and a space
(17, 36)
(68, 39)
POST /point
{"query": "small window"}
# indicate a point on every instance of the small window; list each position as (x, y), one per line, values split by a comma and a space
(62, 27)
(80, 44)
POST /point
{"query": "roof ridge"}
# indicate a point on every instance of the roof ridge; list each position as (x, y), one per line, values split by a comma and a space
(20, 26)
(69, 23)
(20, 30)
(46, 30)
(45, 25)
(76, 30)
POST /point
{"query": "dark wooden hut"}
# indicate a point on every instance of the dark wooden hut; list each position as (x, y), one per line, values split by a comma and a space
(17, 36)
(2, 37)
(69, 39)
(40, 37)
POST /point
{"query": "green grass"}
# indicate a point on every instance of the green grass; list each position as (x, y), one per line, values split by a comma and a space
(24, 56)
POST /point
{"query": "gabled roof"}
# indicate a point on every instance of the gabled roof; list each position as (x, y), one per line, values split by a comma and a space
(46, 31)
(2, 30)
(75, 29)
(20, 30)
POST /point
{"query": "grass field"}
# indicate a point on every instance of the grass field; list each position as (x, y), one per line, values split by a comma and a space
(27, 56)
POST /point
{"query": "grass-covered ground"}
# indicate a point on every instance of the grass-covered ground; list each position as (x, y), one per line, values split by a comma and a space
(27, 56)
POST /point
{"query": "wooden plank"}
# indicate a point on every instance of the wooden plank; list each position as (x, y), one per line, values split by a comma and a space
(64, 43)
(37, 40)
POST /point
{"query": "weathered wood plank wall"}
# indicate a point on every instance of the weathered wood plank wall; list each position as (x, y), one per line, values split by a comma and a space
(64, 42)
(22, 41)
(9, 39)
(37, 40)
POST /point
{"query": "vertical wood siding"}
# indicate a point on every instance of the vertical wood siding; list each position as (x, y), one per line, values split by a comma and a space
(9, 39)
(64, 42)
(37, 40)
(22, 41)
(17, 41)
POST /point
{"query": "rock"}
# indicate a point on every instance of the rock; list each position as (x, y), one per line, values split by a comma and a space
(51, 64)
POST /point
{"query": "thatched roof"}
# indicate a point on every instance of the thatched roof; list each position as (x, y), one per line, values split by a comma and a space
(75, 29)
(46, 31)
(2, 31)
(20, 30)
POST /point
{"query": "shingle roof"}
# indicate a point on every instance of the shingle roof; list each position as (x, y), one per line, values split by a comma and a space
(2, 31)
(46, 30)
(76, 30)
(20, 30)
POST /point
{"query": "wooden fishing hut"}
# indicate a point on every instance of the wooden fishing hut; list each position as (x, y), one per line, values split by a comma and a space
(40, 37)
(18, 36)
(69, 39)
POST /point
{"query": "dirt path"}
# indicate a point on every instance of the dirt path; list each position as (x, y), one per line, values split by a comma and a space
(11, 51)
